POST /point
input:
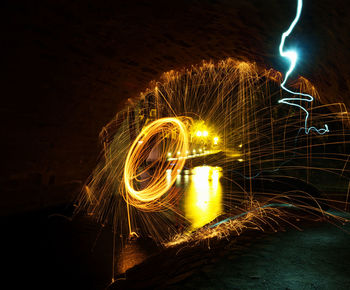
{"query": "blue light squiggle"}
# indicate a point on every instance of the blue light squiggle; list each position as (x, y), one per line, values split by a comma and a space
(292, 56)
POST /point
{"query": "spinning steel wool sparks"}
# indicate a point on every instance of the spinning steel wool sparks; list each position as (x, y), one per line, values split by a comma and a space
(148, 145)
(158, 135)
(148, 198)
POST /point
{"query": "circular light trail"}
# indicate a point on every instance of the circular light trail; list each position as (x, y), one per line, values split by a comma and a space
(148, 175)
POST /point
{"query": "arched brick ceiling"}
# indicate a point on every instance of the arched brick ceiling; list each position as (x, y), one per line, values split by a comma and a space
(71, 65)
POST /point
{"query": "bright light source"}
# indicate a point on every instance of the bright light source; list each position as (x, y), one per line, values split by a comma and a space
(292, 56)
(194, 151)
(205, 133)
(199, 133)
(216, 139)
(240, 145)
(178, 152)
(169, 154)
(200, 150)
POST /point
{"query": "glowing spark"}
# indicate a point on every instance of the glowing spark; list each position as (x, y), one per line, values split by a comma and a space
(293, 57)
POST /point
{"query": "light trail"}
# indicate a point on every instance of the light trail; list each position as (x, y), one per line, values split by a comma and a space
(153, 175)
(292, 56)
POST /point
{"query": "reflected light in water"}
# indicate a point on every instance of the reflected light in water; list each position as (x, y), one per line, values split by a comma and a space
(203, 195)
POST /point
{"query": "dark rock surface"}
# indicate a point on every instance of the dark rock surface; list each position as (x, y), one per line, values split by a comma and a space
(49, 251)
(315, 258)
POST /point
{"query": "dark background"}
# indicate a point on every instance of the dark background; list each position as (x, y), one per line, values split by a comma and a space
(69, 66)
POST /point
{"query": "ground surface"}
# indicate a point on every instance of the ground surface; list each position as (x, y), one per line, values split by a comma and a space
(48, 251)
(316, 258)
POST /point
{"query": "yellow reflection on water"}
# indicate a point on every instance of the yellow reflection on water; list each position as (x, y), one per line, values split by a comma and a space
(203, 195)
